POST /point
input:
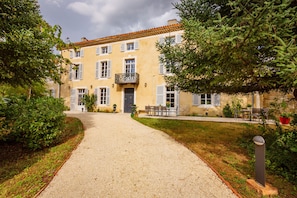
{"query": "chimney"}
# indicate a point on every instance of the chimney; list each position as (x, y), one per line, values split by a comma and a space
(84, 39)
(172, 21)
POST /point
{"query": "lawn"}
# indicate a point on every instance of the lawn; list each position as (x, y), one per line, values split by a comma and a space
(23, 173)
(219, 145)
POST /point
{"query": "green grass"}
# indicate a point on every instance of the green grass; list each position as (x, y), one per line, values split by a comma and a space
(219, 145)
(23, 173)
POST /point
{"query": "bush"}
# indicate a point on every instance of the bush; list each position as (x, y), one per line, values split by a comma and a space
(227, 111)
(36, 123)
(281, 150)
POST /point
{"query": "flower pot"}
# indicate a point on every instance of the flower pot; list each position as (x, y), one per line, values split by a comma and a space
(284, 120)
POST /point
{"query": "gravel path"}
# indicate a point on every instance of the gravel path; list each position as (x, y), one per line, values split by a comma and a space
(120, 158)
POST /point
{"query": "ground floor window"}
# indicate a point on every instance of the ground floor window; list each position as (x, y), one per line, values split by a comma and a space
(102, 95)
(205, 99)
(80, 96)
(170, 97)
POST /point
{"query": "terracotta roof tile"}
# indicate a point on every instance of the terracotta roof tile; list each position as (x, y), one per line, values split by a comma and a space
(131, 35)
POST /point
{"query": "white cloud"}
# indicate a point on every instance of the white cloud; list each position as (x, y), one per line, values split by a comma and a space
(98, 18)
(55, 2)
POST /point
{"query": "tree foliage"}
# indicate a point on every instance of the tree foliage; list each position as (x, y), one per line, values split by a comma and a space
(26, 44)
(234, 46)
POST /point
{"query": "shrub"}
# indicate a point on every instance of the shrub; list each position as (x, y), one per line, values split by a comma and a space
(281, 149)
(36, 123)
(40, 123)
(227, 111)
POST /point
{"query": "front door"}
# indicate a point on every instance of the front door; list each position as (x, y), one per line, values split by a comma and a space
(128, 100)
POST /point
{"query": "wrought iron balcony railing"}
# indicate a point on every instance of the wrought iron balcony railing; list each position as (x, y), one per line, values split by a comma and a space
(126, 78)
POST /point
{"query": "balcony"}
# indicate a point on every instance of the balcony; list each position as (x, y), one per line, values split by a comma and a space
(127, 78)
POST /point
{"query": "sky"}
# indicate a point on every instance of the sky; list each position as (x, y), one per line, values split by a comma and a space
(99, 18)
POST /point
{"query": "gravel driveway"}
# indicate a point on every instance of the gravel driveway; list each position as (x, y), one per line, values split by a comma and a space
(120, 158)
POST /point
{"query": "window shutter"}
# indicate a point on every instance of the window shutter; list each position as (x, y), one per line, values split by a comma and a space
(160, 95)
(71, 54)
(107, 96)
(98, 51)
(177, 103)
(70, 72)
(108, 68)
(178, 38)
(109, 49)
(54, 93)
(81, 53)
(80, 71)
(72, 99)
(136, 45)
(195, 99)
(97, 69)
(217, 100)
(96, 96)
(161, 65)
(162, 40)
(123, 47)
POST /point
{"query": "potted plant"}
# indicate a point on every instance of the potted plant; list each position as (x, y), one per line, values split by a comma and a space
(285, 118)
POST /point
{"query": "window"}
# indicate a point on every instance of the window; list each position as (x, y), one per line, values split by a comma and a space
(102, 95)
(130, 46)
(170, 96)
(130, 66)
(77, 54)
(52, 93)
(103, 69)
(80, 96)
(206, 99)
(104, 50)
(75, 72)
(103, 73)
(170, 40)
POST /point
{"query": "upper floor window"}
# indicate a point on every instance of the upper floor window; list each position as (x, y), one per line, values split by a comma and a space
(129, 46)
(130, 66)
(170, 40)
(76, 72)
(103, 50)
(103, 69)
(76, 53)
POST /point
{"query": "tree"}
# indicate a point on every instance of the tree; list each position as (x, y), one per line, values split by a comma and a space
(232, 47)
(26, 44)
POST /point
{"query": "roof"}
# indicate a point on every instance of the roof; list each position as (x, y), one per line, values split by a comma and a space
(131, 35)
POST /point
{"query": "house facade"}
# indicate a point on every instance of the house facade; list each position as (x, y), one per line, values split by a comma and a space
(125, 69)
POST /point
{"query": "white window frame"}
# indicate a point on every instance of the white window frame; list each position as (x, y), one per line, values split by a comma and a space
(102, 92)
(129, 46)
(168, 96)
(99, 70)
(214, 100)
(131, 65)
(76, 74)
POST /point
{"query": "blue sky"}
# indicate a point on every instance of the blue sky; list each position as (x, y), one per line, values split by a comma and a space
(98, 18)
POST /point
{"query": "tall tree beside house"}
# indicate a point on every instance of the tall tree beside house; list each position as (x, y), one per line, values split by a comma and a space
(236, 46)
(26, 44)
